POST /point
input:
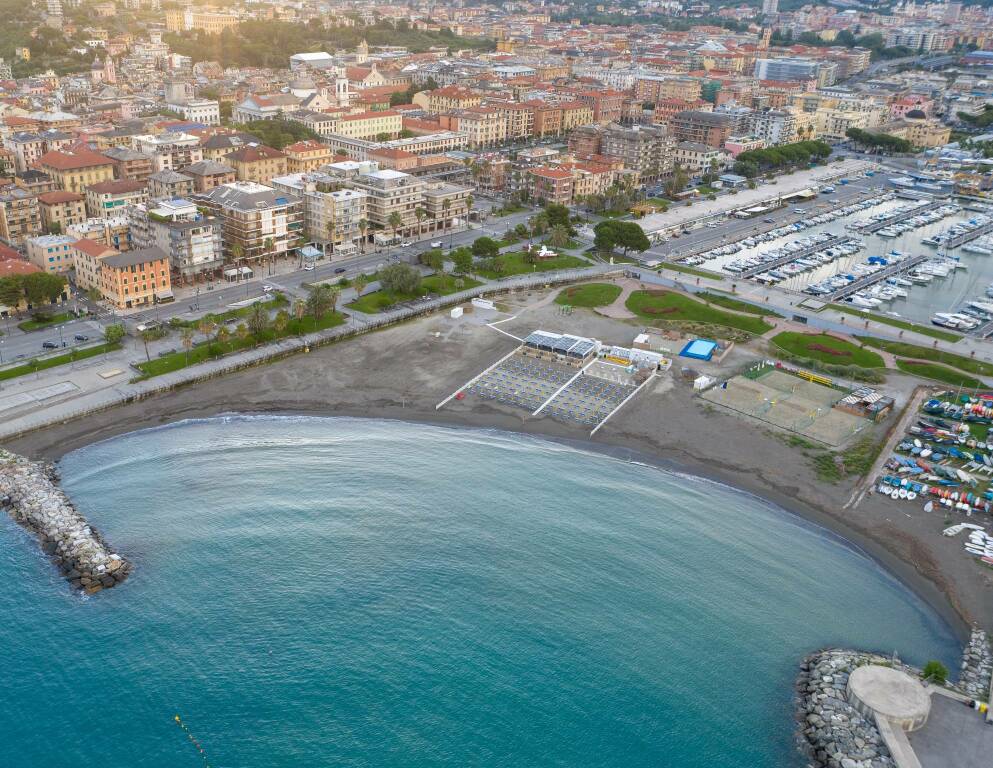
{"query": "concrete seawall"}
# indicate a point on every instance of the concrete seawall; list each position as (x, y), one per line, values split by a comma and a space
(30, 494)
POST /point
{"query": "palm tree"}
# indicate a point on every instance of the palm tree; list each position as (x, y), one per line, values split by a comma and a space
(242, 332)
(207, 325)
(237, 254)
(359, 283)
(299, 308)
(187, 339)
(420, 213)
(258, 321)
(267, 247)
(147, 336)
(469, 200)
(395, 221)
(223, 335)
(446, 204)
(280, 321)
(363, 227)
(333, 295)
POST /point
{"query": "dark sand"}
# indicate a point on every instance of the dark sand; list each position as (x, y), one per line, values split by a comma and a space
(403, 372)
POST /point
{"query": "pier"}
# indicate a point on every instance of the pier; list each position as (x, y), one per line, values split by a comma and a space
(968, 237)
(869, 280)
(794, 255)
(874, 226)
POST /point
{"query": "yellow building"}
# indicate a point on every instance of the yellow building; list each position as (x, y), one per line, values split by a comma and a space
(257, 162)
(369, 125)
(75, 170)
(306, 156)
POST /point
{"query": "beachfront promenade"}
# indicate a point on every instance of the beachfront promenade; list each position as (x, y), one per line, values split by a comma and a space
(357, 324)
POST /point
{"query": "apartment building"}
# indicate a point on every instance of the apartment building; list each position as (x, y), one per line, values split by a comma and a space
(698, 159)
(257, 162)
(252, 214)
(129, 164)
(168, 184)
(331, 211)
(306, 156)
(380, 126)
(446, 99)
(773, 126)
(735, 145)
(445, 204)
(169, 151)
(652, 89)
(20, 215)
(701, 127)
(646, 149)
(59, 210)
(550, 185)
(109, 198)
(115, 232)
(28, 147)
(607, 105)
(74, 170)
(138, 278)
(51, 253)
(191, 240)
(208, 174)
(519, 120)
(87, 257)
(390, 192)
(484, 126)
(786, 69)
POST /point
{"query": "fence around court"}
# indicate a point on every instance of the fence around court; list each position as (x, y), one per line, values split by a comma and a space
(139, 390)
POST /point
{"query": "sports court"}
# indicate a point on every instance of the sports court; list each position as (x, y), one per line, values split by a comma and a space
(791, 403)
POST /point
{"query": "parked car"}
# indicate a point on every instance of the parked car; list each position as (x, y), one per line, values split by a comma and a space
(406, 244)
(308, 267)
(436, 244)
(81, 337)
(49, 345)
(267, 289)
(339, 270)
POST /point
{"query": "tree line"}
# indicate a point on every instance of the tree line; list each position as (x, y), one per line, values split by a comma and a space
(884, 141)
(756, 161)
(36, 289)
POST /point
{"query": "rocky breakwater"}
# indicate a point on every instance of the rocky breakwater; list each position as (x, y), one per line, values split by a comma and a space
(29, 492)
(830, 732)
(977, 666)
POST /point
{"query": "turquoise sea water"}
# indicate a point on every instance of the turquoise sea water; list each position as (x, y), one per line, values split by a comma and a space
(337, 592)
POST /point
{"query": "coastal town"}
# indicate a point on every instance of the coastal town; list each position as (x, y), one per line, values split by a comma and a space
(752, 242)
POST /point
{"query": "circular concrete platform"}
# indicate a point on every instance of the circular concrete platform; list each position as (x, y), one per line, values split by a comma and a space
(890, 693)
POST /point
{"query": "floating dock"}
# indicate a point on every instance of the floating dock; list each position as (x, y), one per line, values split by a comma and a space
(794, 255)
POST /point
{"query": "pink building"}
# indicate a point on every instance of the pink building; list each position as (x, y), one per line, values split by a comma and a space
(735, 145)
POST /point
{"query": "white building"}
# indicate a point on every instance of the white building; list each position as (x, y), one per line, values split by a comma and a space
(192, 240)
(204, 111)
(331, 213)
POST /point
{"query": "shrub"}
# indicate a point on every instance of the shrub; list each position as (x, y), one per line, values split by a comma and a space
(936, 672)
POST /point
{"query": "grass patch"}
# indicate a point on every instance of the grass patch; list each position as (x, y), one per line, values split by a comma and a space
(231, 315)
(516, 263)
(827, 349)
(589, 295)
(667, 305)
(935, 333)
(902, 349)
(862, 454)
(571, 245)
(507, 210)
(40, 364)
(739, 306)
(174, 361)
(691, 271)
(826, 468)
(44, 321)
(439, 285)
(938, 372)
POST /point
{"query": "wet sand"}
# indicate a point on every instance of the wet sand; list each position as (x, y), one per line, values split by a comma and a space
(403, 372)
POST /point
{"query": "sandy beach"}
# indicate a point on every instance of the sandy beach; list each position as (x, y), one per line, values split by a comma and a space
(405, 371)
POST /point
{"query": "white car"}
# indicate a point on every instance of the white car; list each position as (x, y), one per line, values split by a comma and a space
(406, 244)
(308, 267)
(436, 244)
(267, 289)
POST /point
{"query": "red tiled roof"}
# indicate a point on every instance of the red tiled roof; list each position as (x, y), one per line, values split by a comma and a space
(92, 247)
(306, 146)
(6, 252)
(68, 161)
(59, 196)
(10, 267)
(253, 154)
(117, 186)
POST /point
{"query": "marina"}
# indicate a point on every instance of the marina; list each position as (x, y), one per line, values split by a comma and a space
(878, 223)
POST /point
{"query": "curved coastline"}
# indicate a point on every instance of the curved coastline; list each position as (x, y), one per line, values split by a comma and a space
(49, 445)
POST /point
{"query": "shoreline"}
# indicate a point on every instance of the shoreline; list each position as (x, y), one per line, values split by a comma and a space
(861, 542)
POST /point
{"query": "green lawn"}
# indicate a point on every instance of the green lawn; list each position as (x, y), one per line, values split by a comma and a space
(691, 271)
(51, 362)
(589, 295)
(740, 306)
(507, 210)
(34, 324)
(941, 373)
(174, 361)
(667, 305)
(659, 201)
(439, 285)
(931, 331)
(827, 349)
(902, 349)
(278, 301)
(515, 264)
(571, 245)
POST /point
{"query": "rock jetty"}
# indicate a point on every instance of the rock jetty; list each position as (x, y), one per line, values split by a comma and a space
(977, 666)
(29, 492)
(830, 732)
